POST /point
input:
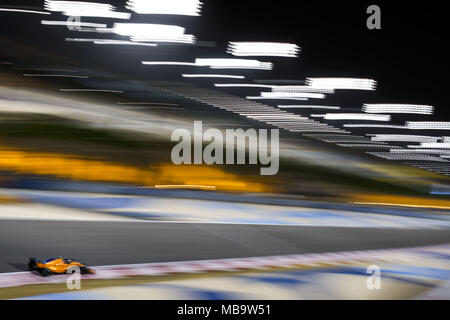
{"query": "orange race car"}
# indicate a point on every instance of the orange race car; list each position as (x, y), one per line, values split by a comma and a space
(57, 266)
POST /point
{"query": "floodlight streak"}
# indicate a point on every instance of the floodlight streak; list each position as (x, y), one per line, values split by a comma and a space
(282, 95)
(171, 7)
(272, 49)
(73, 24)
(403, 138)
(398, 108)
(25, 11)
(152, 32)
(169, 63)
(342, 83)
(227, 63)
(354, 116)
(85, 9)
(205, 75)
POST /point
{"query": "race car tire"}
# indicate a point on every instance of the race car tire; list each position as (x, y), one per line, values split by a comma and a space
(84, 270)
(45, 272)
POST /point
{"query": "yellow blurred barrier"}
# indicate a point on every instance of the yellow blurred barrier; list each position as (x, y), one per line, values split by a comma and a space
(401, 201)
(8, 199)
(82, 168)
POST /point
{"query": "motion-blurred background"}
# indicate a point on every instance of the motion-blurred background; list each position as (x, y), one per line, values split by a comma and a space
(90, 94)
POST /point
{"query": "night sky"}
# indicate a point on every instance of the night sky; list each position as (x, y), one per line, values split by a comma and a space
(408, 56)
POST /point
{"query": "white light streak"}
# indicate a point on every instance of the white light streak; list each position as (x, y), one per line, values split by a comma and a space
(84, 39)
(24, 11)
(172, 7)
(342, 138)
(111, 42)
(279, 88)
(280, 81)
(342, 83)
(123, 42)
(153, 32)
(218, 63)
(371, 125)
(267, 113)
(354, 116)
(260, 112)
(73, 24)
(401, 156)
(241, 85)
(287, 116)
(427, 151)
(283, 90)
(85, 9)
(284, 95)
(148, 103)
(403, 138)
(428, 125)
(169, 63)
(275, 98)
(435, 145)
(398, 108)
(227, 63)
(299, 106)
(364, 145)
(269, 49)
(205, 75)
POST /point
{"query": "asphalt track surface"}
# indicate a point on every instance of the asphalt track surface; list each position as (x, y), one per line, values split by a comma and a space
(108, 243)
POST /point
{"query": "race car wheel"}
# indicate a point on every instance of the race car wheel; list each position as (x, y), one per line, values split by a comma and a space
(45, 272)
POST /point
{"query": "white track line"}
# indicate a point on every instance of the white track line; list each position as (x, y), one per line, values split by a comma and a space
(13, 279)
